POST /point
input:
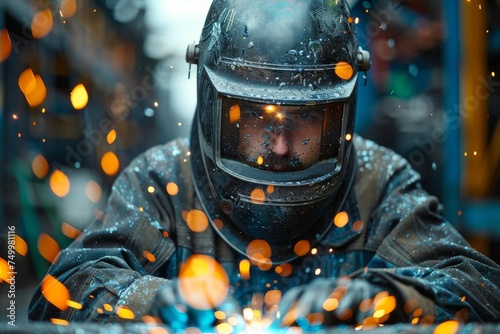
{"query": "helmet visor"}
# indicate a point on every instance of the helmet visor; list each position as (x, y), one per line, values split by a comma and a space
(281, 138)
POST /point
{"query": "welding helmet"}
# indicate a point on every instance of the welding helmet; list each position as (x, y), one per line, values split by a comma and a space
(271, 142)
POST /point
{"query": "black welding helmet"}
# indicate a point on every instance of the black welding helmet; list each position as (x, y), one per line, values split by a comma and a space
(272, 136)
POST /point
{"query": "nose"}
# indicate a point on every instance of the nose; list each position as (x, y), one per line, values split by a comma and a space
(279, 143)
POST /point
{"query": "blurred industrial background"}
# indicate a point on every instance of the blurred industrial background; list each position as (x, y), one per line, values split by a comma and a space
(85, 86)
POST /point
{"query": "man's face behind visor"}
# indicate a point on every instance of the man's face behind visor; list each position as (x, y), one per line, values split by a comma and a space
(276, 137)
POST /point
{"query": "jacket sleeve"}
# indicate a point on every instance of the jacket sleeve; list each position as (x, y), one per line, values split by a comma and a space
(120, 261)
(422, 256)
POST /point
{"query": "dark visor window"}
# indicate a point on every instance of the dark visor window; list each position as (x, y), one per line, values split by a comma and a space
(278, 137)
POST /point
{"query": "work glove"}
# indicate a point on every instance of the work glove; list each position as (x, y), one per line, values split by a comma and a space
(328, 302)
(173, 310)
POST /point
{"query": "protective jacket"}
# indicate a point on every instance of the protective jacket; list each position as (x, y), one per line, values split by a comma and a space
(395, 236)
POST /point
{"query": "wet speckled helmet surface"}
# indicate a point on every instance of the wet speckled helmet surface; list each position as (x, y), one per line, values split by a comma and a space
(284, 55)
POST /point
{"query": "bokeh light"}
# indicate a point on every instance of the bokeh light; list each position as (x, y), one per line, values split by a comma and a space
(447, 327)
(40, 166)
(93, 191)
(366, 305)
(341, 219)
(302, 247)
(110, 163)
(55, 292)
(27, 81)
(59, 183)
(59, 322)
(75, 305)
(219, 224)
(330, 304)
(234, 113)
(125, 313)
(42, 23)
(258, 196)
(4, 270)
(258, 250)
(220, 315)
(37, 97)
(68, 8)
(224, 328)
(6, 45)
(272, 297)
(202, 282)
(48, 247)
(158, 330)
(197, 220)
(79, 97)
(370, 323)
(284, 269)
(172, 189)
(384, 306)
(357, 226)
(32, 86)
(150, 320)
(70, 231)
(264, 264)
(248, 314)
(345, 315)
(344, 70)
(111, 137)
(290, 317)
(245, 269)
(149, 256)
(107, 307)
(316, 319)
(20, 245)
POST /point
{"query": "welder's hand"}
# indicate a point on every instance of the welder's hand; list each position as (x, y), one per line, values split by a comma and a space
(175, 312)
(329, 302)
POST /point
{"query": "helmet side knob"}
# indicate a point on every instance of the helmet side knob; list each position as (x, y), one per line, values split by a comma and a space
(193, 53)
(364, 61)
